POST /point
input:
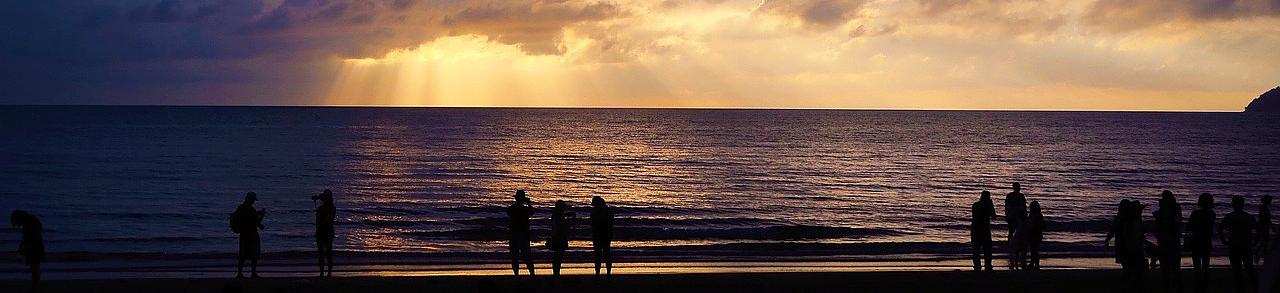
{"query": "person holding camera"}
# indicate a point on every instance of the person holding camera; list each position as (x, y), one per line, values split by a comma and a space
(518, 214)
(325, 215)
(561, 222)
(246, 222)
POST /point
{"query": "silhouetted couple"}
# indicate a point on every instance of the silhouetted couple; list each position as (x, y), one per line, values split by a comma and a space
(1237, 230)
(1132, 248)
(519, 213)
(1026, 231)
(31, 247)
(246, 221)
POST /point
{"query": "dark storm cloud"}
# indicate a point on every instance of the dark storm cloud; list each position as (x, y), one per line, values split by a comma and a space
(64, 51)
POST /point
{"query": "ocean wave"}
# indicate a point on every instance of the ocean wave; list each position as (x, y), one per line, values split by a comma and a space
(167, 239)
(140, 215)
(1080, 226)
(791, 232)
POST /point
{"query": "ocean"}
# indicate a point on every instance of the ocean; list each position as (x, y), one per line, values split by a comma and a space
(683, 183)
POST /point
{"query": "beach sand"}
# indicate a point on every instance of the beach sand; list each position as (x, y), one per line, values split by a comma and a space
(919, 281)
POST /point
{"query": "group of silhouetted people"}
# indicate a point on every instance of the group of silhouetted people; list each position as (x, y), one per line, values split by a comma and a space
(247, 221)
(562, 220)
(1238, 230)
(1025, 231)
(1243, 234)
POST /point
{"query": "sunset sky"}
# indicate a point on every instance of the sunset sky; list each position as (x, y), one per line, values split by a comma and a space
(913, 54)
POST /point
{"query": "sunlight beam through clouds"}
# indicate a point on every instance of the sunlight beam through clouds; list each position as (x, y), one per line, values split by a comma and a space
(1020, 54)
(916, 54)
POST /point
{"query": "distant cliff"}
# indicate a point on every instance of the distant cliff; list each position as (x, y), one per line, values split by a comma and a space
(1267, 102)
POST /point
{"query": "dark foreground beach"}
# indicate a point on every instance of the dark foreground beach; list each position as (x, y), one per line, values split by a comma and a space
(950, 281)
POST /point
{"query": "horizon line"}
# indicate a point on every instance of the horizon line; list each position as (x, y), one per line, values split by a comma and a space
(631, 108)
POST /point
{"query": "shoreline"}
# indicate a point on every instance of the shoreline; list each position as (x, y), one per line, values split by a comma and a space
(285, 268)
(1092, 280)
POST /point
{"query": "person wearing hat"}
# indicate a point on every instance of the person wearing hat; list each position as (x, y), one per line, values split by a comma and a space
(246, 221)
(324, 230)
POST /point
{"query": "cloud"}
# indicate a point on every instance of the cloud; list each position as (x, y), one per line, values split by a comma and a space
(108, 37)
(1012, 18)
(534, 26)
(1124, 15)
(798, 53)
(819, 15)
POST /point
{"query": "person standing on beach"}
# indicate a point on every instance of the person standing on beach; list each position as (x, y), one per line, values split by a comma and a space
(561, 223)
(1264, 229)
(1239, 227)
(31, 247)
(602, 234)
(518, 229)
(246, 221)
(1169, 239)
(1130, 244)
(980, 231)
(1200, 242)
(325, 215)
(1015, 215)
(1127, 231)
(1117, 223)
(1035, 234)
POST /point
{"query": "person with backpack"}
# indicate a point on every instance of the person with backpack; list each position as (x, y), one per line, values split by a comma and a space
(246, 221)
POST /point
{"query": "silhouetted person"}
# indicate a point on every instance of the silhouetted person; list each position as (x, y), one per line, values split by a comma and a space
(1200, 242)
(325, 215)
(518, 229)
(1015, 215)
(1129, 236)
(1135, 241)
(1264, 229)
(1116, 223)
(602, 234)
(31, 247)
(1035, 234)
(1239, 227)
(980, 231)
(246, 221)
(561, 223)
(1169, 239)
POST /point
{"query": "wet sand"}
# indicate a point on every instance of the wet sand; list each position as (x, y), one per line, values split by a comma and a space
(920, 281)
